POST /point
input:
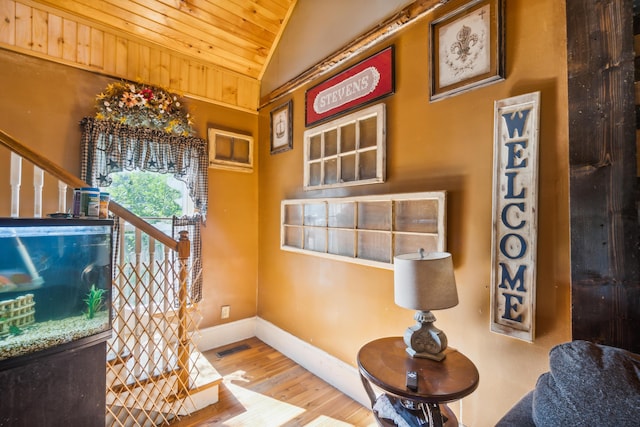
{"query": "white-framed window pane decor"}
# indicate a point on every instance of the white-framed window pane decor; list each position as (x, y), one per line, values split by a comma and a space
(368, 230)
(230, 150)
(347, 151)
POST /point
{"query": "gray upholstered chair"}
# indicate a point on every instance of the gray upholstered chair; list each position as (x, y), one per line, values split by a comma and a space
(587, 385)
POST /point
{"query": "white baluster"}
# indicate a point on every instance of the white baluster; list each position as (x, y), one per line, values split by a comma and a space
(38, 183)
(121, 302)
(167, 303)
(138, 306)
(151, 290)
(62, 197)
(16, 179)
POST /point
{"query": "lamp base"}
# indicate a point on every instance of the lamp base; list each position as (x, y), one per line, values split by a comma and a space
(424, 340)
(438, 357)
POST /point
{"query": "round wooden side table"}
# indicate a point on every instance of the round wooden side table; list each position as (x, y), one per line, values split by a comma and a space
(384, 363)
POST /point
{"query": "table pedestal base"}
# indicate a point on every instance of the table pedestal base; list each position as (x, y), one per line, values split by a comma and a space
(438, 415)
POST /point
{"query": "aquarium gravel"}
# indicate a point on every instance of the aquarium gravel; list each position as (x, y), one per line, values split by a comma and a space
(44, 335)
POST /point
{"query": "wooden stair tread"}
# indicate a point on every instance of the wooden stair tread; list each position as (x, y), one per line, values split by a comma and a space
(207, 375)
(202, 376)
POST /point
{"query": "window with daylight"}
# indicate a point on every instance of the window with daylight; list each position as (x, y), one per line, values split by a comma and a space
(157, 175)
(346, 151)
(368, 230)
(109, 148)
(153, 196)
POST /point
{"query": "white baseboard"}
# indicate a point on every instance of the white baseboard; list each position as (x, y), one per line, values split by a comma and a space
(228, 333)
(332, 370)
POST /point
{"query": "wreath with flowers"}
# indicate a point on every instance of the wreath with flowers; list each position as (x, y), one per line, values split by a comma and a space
(137, 104)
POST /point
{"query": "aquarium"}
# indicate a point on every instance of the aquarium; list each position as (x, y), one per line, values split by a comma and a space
(55, 285)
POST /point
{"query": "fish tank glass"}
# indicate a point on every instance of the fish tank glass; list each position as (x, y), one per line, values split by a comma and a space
(55, 285)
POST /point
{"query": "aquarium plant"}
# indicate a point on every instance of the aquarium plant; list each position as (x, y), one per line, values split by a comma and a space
(15, 331)
(94, 300)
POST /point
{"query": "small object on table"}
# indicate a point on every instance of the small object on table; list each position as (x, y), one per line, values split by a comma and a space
(412, 380)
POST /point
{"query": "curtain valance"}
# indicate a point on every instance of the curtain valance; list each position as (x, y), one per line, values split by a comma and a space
(113, 147)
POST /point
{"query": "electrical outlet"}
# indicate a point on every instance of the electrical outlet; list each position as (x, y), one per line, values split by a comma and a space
(224, 312)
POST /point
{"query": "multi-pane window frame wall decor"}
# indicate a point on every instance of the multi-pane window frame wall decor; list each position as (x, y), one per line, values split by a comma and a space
(368, 230)
(350, 150)
(230, 150)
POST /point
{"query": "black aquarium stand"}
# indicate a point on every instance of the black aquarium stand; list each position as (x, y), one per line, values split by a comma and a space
(66, 389)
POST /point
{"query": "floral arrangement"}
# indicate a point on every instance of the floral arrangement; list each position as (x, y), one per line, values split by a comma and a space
(137, 104)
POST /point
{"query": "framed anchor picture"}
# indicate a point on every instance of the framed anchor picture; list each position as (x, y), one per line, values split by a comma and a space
(282, 128)
(467, 48)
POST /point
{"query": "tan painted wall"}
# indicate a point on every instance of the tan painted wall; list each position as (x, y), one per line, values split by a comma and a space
(446, 145)
(41, 105)
(431, 146)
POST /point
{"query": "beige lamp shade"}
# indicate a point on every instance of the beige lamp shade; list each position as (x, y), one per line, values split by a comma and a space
(425, 281)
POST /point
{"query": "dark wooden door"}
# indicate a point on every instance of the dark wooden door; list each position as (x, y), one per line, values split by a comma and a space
(605, 247)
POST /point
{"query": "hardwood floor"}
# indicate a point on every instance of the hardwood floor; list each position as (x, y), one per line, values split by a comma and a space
(264, 388)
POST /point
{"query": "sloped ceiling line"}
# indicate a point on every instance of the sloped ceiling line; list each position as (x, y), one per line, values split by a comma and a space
(381, 32)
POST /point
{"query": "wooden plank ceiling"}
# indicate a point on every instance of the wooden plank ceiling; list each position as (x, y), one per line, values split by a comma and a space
(211, 49)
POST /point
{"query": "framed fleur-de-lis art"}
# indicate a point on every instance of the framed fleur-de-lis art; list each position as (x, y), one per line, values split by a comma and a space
(467, 48)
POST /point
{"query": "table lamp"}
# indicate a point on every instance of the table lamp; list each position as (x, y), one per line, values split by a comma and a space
(425, 282)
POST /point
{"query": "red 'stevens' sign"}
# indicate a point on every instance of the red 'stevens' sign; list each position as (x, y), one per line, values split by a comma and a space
(366, 81)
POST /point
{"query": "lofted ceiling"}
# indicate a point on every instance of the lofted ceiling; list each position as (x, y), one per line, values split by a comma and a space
(215, 50)
(237, 35)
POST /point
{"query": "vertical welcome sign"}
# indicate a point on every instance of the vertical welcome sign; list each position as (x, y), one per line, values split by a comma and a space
(515, 219)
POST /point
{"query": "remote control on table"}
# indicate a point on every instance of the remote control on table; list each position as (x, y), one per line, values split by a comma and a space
(412, 380)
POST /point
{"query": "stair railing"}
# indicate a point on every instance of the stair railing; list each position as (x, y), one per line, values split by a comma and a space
(146, 393)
